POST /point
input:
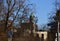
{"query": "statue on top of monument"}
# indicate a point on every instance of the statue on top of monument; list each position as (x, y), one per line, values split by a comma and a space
(32, 17)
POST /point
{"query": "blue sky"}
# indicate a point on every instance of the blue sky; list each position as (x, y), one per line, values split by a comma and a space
(43, 8)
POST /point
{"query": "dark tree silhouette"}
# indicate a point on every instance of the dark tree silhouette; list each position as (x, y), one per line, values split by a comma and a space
(14, 12)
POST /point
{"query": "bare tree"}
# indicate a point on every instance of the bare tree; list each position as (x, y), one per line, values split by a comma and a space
(15, 11)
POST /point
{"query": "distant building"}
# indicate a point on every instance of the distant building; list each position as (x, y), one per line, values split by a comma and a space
(43, 35)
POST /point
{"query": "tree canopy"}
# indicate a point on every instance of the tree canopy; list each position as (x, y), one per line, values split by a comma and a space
(14, 12)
